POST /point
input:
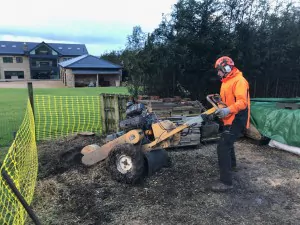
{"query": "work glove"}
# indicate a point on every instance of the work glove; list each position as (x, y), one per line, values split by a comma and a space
(223, 112)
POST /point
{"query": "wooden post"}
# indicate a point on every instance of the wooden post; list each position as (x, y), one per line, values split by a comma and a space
(97, 85)
(66, 84)
(117, 115)
(63, 75)
(30, 95)
(103, 116)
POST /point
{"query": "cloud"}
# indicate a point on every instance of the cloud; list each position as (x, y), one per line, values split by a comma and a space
(99, 49)
(103, 25)
(79, 36)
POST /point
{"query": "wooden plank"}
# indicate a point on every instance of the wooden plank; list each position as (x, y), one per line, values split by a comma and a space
(148, 101)
(117, 115)
(103, 116)
(183, 108)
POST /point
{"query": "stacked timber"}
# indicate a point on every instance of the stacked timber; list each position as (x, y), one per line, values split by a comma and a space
(167, 107)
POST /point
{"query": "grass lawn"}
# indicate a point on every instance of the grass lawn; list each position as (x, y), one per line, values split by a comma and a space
(13, 104)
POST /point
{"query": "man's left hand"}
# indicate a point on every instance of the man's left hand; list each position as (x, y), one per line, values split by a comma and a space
(223, 112)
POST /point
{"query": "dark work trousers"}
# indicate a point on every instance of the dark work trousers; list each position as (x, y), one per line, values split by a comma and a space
(225, 149)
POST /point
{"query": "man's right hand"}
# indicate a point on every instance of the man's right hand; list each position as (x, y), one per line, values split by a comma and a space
(223, 112)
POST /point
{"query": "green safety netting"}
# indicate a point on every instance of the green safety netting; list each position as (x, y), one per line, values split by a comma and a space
(280, 124)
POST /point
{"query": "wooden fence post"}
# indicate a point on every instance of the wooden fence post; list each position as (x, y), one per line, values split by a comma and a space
(117, 115)
(103, 116)
(30, 95)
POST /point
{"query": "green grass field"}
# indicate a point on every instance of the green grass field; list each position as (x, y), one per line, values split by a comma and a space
(13, 104)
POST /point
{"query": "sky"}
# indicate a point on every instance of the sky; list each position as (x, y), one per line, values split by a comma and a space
(101, 25)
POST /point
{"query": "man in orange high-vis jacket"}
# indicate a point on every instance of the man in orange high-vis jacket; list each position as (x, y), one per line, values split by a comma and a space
(236, 117)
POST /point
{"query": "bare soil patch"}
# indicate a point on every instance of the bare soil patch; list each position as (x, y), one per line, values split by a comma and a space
(267, 189)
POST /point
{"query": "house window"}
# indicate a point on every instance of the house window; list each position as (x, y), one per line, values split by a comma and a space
(8, 60)
(14, 74)
(43, 50)
(19, 59)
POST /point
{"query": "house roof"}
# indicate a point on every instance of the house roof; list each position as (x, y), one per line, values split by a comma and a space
(88, 62)
(71, 61)
(69, 49)
(16, 48)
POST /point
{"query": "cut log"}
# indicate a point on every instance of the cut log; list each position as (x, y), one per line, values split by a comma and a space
(253, 133)
(90, 148)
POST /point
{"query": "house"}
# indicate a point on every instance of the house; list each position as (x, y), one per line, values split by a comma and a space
(86, 70)
(30, 61)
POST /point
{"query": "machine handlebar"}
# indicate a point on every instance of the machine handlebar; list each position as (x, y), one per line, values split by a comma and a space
(216, 101)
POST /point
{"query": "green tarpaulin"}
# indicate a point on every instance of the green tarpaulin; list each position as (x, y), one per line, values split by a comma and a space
(282, 125)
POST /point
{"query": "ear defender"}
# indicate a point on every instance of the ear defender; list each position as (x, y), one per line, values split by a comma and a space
(227, 68)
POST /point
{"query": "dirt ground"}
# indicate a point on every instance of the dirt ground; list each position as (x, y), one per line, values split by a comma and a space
(267, 189)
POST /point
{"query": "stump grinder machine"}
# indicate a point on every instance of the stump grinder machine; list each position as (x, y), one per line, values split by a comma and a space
(139, 149)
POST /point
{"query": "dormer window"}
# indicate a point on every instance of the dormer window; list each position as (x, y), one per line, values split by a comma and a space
(44, 50)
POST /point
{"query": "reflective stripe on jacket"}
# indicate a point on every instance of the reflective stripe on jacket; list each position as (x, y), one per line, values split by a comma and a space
(235, 94)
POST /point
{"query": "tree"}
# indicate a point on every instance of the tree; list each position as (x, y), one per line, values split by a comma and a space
(177, 58)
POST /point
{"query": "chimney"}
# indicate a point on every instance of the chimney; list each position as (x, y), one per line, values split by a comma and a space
(25, 47)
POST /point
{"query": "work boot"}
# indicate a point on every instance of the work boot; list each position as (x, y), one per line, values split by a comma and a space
(220, 187)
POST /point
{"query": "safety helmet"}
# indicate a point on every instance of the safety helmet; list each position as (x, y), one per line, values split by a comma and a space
(224, 64)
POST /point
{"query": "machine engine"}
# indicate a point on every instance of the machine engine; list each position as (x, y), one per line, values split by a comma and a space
(134, 109)
(137, 117)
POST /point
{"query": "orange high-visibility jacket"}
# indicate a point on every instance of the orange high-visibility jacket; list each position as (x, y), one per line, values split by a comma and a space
(235, 94)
